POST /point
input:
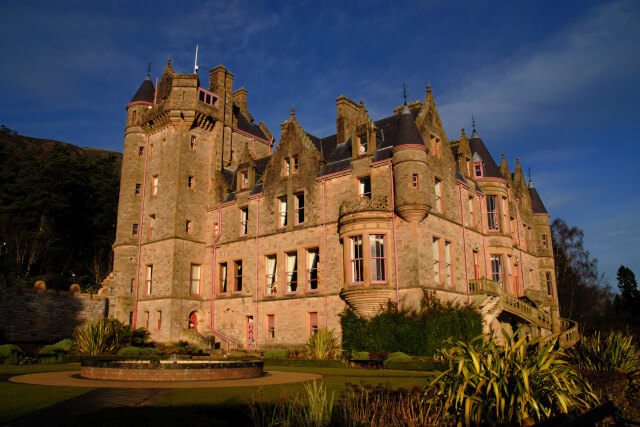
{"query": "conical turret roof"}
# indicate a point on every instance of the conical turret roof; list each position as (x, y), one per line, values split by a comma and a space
(408, 132)
(146, 91)
(536, 202)
(476, 145)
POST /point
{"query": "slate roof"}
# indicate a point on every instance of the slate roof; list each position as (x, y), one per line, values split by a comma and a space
(245, 125)
(146, 92)
(476, 145)
(536, 202)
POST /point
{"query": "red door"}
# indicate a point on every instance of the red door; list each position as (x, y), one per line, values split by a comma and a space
(250, 336)
(193, 321)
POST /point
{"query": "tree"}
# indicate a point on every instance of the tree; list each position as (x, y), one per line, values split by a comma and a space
(628, 285)
(583, 294)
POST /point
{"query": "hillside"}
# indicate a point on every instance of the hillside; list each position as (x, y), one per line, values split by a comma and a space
(58, 207)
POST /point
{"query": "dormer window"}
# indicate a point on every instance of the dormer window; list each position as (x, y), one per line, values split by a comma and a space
(478, 169)
(244, 180)
(362, 145)
(291, 165)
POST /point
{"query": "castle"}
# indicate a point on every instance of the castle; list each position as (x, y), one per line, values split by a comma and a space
(224, 236)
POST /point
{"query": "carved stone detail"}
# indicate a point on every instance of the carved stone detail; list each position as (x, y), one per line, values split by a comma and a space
(364, 204)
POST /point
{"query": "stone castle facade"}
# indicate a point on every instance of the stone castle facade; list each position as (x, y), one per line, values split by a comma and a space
(225, 236)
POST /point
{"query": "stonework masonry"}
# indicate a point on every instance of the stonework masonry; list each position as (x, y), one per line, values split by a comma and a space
(254, 244)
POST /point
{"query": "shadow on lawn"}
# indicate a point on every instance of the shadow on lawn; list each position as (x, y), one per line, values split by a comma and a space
(192, 416)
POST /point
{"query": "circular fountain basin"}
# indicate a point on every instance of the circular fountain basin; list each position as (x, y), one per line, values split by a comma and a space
(171, 370)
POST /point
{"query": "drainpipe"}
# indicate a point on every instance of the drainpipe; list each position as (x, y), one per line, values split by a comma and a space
(256, 322)
(484, 245)
(140, 231)
(213, 270)
(464, 245)
(519, 244)
(395, 247)
(324, 253)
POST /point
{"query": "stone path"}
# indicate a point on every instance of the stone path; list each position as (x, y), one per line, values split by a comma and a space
(61, 413)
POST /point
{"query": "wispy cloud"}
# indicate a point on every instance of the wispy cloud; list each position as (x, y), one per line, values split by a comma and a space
(531, 85)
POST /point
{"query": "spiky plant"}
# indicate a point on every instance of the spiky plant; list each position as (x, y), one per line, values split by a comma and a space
(617, 351)
(322, 345)
(519, 382)
(96, 337)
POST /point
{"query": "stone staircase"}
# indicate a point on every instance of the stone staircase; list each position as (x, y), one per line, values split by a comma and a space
(496, 301)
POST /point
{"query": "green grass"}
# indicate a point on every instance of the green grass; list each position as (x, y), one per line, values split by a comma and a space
(17, 400)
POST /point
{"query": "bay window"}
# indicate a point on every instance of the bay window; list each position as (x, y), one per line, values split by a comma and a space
(356, 260)
(492, 213)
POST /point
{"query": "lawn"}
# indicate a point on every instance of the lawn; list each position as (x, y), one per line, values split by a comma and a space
(17, 400)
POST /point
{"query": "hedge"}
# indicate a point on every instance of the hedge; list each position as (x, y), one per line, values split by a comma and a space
(303, 363)
(276, 354)
(11, 354)
(138, 351)
(427, 366)
(413, 332)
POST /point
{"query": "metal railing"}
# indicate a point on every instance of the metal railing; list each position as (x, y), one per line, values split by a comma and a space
(228, 340)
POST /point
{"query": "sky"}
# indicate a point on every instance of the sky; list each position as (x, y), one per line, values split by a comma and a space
(555, 83)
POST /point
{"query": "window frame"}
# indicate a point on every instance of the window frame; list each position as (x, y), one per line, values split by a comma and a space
(497, 269)
(138, 190)
(356, 263)
(195, 281)
(363, 182)
(545, 242)
(243, 225)
(478, 170)
(283, 214)
(313, 323)
(148, 281)
(141, 151)
(298, 211)
(493, 216)
(134, 230)
(244, 180)
(310, 270)
(291, 274)
(437, 189)
(237, 276)
(448, 263)
(548, 279)
(191, 182)
(152, 226)
(437, 273)
(271, 289)
(154, 185)
(223, 279)
(271, 327)
(363, 143)
(414, 181)
(380, 260)
(188, 226)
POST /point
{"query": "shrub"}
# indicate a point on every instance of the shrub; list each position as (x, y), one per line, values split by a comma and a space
(138, 351)
(322, 345)
(617, 351)
(420, 332)
(276, 354)
(398, 357)
(361, 355)
(11, 354)
(517, 383)
(97, 337)
(303, 363)
(65, 345)
(51, 354)
(426, 366)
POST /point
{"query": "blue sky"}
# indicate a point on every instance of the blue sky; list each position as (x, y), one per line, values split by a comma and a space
(554, 83)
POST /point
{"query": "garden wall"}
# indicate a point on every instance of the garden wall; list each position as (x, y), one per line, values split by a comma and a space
(38, 315)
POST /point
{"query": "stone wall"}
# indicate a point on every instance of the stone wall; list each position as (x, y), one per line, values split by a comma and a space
(37, 315)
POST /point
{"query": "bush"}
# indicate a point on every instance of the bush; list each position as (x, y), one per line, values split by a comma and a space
(138, 351)
(420, 332)
(398, 357)
(51, 354)
(276, 354)
(66, 345)
(361, 355)
(11, 354)
(303, 363)
(322, 345)
(181, 348)
(97, 337)
(518, 383)
(617, 351)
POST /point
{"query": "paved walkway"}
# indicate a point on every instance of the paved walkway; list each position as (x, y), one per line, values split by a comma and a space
(73, 379)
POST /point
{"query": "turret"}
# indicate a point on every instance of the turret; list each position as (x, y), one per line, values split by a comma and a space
(410, 175)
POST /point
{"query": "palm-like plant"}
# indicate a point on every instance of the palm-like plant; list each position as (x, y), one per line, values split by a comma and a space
(97, 337)
(322, 345)
(514, 383)
(617, 351)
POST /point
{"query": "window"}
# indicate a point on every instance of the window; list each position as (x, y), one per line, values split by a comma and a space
(282, 212)
(187, 227)
(516, 279)
(138, 189)
(294, 160)
(364, 187)
(378, 258)
(313, 323)
(292, 273)
(435, 146)
(237, 276)
(447, 263)
(159, 319)
(313, 259)
(134, 230)
(133, 282)
(223, 278)
(141, 152)
(271, 326)
(299, 208)
(547, 277)
(505, 215)
(476, 265)
(497, 272)
(362, 144)
(191, 182)
(287, 166)
(133, 117)
(436, 260)
(478, 169)
(473, 218)
(154, 185)
(130, 318)
(149, 280)
(270, 275)
(194, 282)
(356, 260)
(544, 241)
(244, 180)
(152, 225)
(492, 213)
(244, 221)
(509, 273)
(438, 191)
(146, 320)
(415, 181)
(193, 142)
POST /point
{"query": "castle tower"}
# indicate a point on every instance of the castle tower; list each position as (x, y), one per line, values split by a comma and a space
(410, 174)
